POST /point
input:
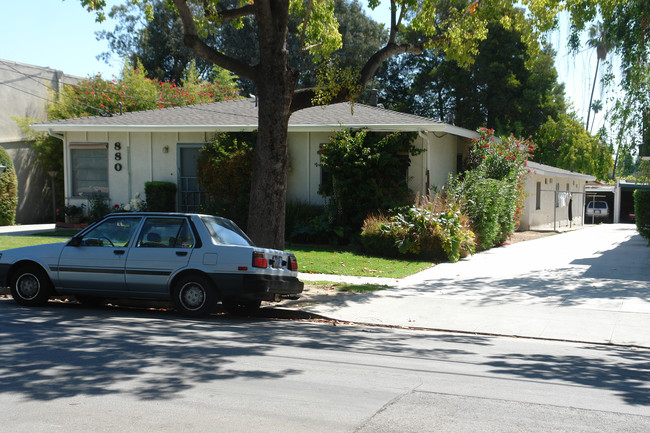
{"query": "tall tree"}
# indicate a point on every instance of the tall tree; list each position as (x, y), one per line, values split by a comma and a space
(564, 143)
(511, 87)
(597, 39)
(455, 27)
(153, 34)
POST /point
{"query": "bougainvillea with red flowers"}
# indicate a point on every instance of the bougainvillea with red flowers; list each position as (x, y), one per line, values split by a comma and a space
(133, 91)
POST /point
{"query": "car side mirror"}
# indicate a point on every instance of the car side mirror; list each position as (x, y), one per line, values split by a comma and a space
(75, 241)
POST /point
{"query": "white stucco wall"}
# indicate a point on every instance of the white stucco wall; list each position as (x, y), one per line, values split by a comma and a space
(147, 156)
(143, 157)
(550, 217)
(441, 159)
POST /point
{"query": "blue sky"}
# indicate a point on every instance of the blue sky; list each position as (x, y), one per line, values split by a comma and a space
(61, 35)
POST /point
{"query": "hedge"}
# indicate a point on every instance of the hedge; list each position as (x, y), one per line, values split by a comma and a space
(161, 196)
(8, 190)
(642, 212)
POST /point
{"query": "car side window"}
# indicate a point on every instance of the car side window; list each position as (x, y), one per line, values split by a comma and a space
(160, 232)
(114, 232)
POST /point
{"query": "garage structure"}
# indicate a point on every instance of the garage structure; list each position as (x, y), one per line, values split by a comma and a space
(555, 198)
(619, 198)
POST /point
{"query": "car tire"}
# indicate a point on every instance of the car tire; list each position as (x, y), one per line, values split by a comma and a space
(31, 286)
(241, 308)
(194, 295)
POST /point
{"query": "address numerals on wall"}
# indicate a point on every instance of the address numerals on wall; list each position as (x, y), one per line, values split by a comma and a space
(117, 147)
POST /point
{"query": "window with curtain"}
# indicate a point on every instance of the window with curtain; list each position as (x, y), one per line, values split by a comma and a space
(89, 169)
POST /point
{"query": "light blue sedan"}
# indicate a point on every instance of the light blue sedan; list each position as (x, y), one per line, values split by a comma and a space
(196, 261)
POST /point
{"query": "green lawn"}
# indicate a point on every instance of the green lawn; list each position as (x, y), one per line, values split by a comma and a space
(327, 260)
(7, 242)
(311, 259)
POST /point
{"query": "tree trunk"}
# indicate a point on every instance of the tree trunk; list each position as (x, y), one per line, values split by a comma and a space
(275, 83)
(266, 213)
(592, 96)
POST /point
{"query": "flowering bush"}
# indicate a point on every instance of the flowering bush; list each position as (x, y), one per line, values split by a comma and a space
(134, 205)
(133, 91)
(491, 191)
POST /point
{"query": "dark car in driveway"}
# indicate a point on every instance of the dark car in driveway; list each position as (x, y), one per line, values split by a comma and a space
(196, 261)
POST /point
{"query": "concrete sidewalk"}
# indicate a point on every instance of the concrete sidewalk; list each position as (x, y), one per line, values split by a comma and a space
(590, 285)
(25, 229)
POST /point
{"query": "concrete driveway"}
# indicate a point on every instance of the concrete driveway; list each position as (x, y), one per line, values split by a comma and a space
(589, 285)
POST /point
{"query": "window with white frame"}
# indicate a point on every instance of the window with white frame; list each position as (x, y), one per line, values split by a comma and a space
(89, 168)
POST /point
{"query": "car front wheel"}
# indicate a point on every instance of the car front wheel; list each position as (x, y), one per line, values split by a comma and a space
(194, 295)
(31, 286)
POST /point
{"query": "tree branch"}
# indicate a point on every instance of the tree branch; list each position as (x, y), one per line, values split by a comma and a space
(231, 14)
(302, 98)
(192, 41)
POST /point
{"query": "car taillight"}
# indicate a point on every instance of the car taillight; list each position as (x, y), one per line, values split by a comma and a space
(259, 261)
(293, 263)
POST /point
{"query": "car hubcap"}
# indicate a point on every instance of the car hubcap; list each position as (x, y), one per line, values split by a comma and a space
(28, 286)
(192, 296)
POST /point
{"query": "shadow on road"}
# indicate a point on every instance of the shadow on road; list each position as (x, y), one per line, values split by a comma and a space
(624, 371)
(64, 349)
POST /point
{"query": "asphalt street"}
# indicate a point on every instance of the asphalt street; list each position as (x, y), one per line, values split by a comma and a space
(68, 368)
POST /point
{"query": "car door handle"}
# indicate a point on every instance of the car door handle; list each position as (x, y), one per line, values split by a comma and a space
(181, 253)
(118, 252)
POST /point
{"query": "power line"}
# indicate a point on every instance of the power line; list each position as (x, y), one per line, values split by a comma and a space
(102, 112)
(99, 110)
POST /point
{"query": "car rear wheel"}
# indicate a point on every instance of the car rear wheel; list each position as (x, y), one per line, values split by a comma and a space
(238, 307)
(194, 295)
(31, 286)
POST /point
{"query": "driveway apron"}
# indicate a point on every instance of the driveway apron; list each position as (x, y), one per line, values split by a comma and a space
(589, 285)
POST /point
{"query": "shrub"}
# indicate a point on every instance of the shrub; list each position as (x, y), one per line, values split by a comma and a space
(98, 206)
(490, 205)
(377, 239)
(642, 212)
(432, 229)
(307, 223)
(8, 190)
(364, 173)
(491, 192)
(161, 196)
(224, 171)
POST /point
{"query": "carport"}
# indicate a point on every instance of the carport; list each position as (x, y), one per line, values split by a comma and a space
(606, 193)
(626, 200)
(619, 198)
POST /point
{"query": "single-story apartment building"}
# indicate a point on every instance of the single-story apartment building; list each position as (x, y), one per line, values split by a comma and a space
(116, 155)
(555, 198)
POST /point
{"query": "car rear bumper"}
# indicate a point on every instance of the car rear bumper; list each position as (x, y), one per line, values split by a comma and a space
(256, 287)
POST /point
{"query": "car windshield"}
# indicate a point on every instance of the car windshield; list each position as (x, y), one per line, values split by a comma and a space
(224, 231)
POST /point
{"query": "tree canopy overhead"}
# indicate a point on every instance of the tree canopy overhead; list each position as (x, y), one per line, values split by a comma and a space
(454, 28)
(510, 87)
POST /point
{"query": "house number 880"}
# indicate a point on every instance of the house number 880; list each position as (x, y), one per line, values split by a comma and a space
(118, 156)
